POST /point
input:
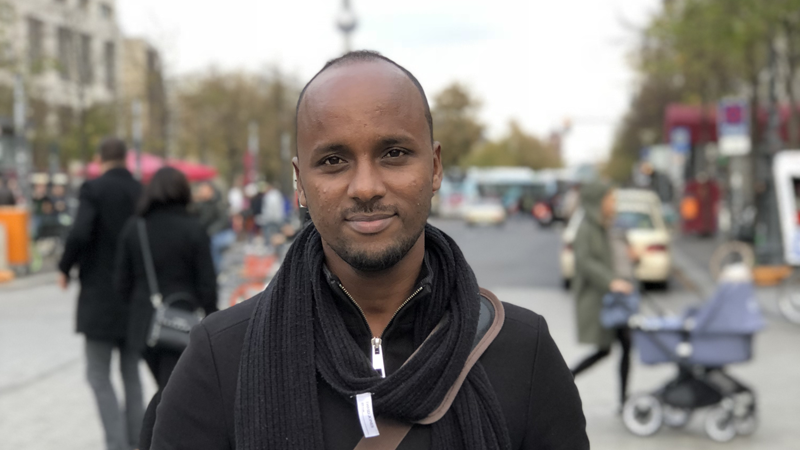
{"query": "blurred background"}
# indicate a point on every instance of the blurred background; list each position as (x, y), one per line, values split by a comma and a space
(685, 104)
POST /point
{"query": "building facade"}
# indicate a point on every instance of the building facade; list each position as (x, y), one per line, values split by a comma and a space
(142, 82)
(66, 50)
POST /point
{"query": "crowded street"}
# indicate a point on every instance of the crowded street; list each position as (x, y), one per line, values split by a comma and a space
(45, 404)
(418, 225)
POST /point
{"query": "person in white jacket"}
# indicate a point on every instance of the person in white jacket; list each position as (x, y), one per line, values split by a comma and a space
(273, 213)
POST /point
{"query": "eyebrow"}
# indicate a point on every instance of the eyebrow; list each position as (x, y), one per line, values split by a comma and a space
(385, 141)
(330, 148)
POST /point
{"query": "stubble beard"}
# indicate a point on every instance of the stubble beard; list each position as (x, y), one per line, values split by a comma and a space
(364, 261)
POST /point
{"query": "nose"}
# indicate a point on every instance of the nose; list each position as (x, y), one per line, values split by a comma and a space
(367, 183)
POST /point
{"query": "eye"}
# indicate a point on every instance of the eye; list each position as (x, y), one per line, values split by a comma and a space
(332, 161)
(396, 153)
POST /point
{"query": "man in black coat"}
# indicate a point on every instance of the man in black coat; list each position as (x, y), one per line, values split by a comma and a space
(105, 205)
(374, 333)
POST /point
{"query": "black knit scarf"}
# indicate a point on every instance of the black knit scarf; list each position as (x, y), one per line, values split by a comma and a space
(298, 334)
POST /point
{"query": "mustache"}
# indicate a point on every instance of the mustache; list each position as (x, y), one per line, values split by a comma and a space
(369, 208)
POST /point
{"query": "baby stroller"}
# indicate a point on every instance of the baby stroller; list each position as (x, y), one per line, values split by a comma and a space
(700, 343)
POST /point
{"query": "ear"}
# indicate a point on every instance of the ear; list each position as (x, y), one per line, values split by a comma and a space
(301, 193)
(438, 171)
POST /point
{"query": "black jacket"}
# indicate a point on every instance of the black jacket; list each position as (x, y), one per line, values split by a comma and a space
(213, 215)
(106, 203)
(182, 257)
(533, 384)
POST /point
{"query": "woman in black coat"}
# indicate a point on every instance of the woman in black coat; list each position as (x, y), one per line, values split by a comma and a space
(182, 257)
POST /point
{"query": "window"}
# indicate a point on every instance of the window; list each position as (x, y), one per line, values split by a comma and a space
(65, 48)
(35, 38)
(105, 11)
(633, 220)
(110, 63)
(85, 60)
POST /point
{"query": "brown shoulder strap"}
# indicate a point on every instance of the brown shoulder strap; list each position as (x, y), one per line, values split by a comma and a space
(393, 432)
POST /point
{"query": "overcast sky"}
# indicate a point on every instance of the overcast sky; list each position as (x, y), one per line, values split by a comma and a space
(531, 60)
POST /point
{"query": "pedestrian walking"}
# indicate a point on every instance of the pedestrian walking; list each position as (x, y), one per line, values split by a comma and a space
(237, 203)
(273, 212)
(6, 195)
(600, 267)
(213, 214)
(105, 205)
(181, 255)
(374, 333)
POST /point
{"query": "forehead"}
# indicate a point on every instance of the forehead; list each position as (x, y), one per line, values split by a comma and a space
(374, 97)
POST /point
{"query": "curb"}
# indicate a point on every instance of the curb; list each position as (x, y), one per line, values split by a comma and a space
(40, 279)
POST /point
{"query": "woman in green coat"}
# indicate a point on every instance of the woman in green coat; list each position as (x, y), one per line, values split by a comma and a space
(595, 275)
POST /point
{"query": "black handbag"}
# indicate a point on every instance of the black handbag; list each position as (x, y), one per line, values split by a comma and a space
(174, 316)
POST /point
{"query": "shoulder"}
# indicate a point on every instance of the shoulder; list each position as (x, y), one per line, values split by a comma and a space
(521, 321)
(231, 319)
(88, 188)
(518, 321)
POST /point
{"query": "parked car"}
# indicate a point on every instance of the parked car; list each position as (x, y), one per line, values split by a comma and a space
(639, 214)
(484, 212)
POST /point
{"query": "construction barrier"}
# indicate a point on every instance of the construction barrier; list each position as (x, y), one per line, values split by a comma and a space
(15, 221)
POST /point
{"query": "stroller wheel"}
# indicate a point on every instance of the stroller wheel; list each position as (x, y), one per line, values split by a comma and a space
(745, 426)
(720, 424)
(643, 414)
(676, 417)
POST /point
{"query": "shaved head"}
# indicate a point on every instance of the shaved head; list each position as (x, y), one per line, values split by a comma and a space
(364, 56)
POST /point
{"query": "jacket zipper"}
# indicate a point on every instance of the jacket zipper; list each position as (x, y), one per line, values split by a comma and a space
(376, 342)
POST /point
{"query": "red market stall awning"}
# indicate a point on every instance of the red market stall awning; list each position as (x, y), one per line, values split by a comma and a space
(193, 171)
(151, 164)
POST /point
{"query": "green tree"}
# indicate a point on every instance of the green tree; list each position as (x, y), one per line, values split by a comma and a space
(455, 123)
(215, 109)
(696, 52)
(517, 148)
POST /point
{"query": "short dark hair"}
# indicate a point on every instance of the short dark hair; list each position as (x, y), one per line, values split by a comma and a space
(367, 56)
(168, 186)
(113, 150)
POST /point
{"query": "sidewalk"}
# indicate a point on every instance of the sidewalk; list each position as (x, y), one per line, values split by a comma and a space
(45, 401)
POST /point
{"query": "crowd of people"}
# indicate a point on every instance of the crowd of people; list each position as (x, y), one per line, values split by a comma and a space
(120, 227)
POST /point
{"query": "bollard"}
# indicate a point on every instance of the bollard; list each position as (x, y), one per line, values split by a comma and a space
(5, 274)
(15, 221)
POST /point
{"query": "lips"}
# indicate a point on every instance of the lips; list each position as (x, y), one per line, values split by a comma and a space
(370, 223)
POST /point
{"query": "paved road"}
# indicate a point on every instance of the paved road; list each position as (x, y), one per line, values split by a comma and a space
(534, 283)
(46, 404)
(520, 254)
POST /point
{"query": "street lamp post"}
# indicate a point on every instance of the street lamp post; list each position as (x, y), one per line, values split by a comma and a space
(347, 23)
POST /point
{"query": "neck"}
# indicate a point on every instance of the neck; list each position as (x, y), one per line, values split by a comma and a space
(379, 294)
(108, 165)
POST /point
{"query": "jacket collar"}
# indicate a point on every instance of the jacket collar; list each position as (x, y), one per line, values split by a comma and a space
(118, 172)
(168, 209)
(399, 325)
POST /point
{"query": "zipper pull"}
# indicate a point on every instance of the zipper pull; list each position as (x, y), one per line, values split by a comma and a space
(377, 357)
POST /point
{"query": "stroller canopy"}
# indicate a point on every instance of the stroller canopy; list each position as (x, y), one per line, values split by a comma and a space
(732, 309)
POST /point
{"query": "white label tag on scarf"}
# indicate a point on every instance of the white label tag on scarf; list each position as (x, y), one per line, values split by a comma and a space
(366, 416)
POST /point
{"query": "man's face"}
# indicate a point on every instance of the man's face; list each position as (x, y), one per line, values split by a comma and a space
(205, 192)
(366, 168)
